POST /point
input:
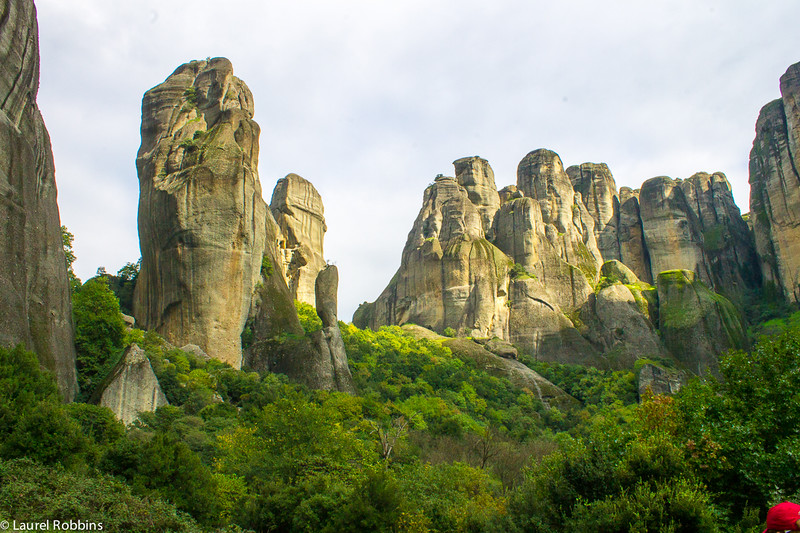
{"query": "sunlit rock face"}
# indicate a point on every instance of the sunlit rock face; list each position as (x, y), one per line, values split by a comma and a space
(450, 275)
(297, 208)
(35, 306)
(694, 224)
(775, 188)
(202, 220)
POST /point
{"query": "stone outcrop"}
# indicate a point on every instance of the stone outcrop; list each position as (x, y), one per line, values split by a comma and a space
(775, 188)
(450, 275)
(618, 318)
(696, 324)
(599, 194)
(477, 178)
(694, 224)
(655, 380)
(202, 221)
(630, 233)
(297, 208)
(332, 370)
(131, 387)
(35, 306)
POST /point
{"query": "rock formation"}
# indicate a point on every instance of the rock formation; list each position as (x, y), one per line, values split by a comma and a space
(450, 275)
(212, 273)
(332, 363)
(775, 188)
(35, 307)
(694, 224)
(696, 324)
(599, 194)
(202, 221)
(297, 208)
(528, 271)
(131, 387)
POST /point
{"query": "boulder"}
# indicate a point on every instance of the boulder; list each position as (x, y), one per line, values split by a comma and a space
(203, 224)
(655, 380)
(775, 188)
(697, 325)
(297, 208)
(35, 305)
(131, 387)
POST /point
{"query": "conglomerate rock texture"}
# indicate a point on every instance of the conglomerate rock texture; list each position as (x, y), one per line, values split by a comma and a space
(775, 187)
(35, 306)
(297, 208)
(202, 221)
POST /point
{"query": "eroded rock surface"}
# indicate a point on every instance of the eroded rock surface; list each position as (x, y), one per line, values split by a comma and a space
(131, 387)
(775, 187)
(35, 306)
(297, 208)
(696, 324)
(202, 221)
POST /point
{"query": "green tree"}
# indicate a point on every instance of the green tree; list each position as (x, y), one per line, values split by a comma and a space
(67, 239)
(99, 332)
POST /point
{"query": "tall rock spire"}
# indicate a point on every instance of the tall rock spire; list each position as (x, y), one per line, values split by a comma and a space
(203, 225)
(35, 306)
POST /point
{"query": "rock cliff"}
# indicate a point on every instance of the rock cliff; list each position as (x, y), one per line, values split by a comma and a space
(35, 307)
(202, 221)
(297, 208)
(213, 256)
(775, 188)
(524, 264)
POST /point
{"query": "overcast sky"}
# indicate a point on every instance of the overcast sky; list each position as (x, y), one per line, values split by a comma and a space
(371, 99)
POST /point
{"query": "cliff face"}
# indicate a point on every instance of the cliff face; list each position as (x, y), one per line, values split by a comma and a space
(775, 188)
(202, 220)
(524, 263)
(35, 307)
(297, 208)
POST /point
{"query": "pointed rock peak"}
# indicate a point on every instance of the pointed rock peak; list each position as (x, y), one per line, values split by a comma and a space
(294, 191)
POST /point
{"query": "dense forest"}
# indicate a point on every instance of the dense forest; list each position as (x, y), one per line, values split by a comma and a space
(430, 443)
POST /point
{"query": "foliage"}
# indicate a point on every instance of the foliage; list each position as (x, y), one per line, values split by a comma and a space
(67, 240)
(266, 267)
(449, 332)
(124, 283)
(32, 492)
(590, 385)
(308, 316)
(99, 332)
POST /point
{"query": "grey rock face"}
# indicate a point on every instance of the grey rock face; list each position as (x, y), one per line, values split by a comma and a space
(696, 324)
(599, 193)
(656, 380)
(202, 220)
(35, 306)
(131, 387)
(297, 208)
(694, 224)
(333, 367)
(775, 187)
